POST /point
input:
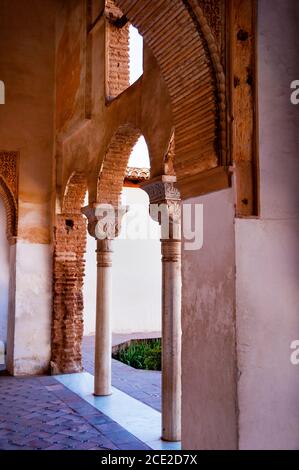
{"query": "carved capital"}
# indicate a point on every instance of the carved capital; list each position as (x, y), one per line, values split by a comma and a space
(104, 220)
(165, 205)
(162, 190)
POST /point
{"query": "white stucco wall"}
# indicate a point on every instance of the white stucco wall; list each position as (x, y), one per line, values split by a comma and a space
(267, 250)
(136, 276)
(4, 276)
(209, 419)
(29, 335)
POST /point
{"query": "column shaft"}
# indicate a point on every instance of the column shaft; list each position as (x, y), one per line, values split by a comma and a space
(171, 340)
(103, 337)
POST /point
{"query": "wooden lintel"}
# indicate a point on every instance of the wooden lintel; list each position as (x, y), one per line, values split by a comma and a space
(208, 181)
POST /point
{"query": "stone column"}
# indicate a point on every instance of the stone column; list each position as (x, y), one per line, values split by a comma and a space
(103, 336)
(162, 192)
(103, 225)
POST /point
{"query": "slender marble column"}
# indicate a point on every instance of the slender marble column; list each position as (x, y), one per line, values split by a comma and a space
(103, 225)
(171, 336)
(103, 336)
(163, 192)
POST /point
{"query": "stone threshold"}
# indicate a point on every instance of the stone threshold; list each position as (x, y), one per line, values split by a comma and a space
(139, 419)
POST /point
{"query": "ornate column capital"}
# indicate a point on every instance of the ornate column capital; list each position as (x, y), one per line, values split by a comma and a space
(162, 189)
(104, 220)
(165, 205)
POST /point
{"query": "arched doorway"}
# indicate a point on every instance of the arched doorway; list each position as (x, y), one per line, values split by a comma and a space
(8, 233)
(4, 284)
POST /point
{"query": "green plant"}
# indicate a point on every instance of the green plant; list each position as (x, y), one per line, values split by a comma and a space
(153, 357)
(145, 354)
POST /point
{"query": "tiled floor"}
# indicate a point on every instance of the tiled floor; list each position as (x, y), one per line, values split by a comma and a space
(136, 417)
(40, 413)
(143, 385)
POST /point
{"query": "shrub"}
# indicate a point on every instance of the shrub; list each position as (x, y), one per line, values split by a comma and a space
(145, 354)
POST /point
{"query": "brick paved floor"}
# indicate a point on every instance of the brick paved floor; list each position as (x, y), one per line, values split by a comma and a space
(143, 385)
(40, 413)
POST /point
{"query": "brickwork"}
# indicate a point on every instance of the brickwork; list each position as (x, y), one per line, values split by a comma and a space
(189, 59)
(117, 42)
(111, 178)
(69, 264)
(41, 414)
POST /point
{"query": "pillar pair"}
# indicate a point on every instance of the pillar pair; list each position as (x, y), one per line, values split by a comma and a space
(164, 208)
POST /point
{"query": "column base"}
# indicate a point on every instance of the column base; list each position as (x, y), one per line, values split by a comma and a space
(105, 394)
(170, 440)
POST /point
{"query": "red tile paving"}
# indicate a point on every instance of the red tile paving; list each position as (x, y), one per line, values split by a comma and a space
(40, 413)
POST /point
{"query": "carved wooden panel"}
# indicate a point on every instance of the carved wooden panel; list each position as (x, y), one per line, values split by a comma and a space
(243, 105)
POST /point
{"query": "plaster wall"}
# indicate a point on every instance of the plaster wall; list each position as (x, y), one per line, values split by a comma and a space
(27, 47)
(209, 419)
(30, 329)
(136, 303)
(267, 250)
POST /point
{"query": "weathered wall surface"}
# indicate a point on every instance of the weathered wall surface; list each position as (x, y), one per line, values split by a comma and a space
(71, 61)
(267, 250)
(26, 125)
(33, 309)
(209, 418)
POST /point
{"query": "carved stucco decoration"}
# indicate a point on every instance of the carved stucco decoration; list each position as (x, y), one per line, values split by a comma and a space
(104, 220)
(214, 51)
(137, 174)
(9, 191)
(169, 158)
(213, 10)
(161, 191)
(164, 192)
(8, 170)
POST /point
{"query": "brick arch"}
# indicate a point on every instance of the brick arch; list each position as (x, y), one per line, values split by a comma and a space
(186, 51)
(74, 194)
(113, 170)
(11, 210)
(69, 270)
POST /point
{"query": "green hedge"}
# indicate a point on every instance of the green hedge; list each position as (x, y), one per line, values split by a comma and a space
(142, 354)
